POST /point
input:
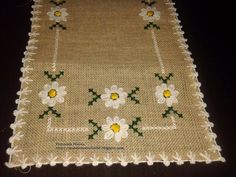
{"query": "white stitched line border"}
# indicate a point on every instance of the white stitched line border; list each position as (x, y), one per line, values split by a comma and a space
(170, 127)
(51, 129)
(157, 51)
(55, 54)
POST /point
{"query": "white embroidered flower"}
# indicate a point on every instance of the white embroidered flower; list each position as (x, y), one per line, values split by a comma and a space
(114, 97)
(168, 94)
(115, 127)
(150, 14)
(52, 94)
(57, 14)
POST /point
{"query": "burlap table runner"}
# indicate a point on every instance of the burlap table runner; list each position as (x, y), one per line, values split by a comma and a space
(109, 81)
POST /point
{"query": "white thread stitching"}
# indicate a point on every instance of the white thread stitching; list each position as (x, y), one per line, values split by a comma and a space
(66, 160)
(20, 112)
(192, 157)
(157, 51)
(184, 47)
(64, 129)
(80, 160)
(37, 159)
(165, 159)
(22, 101)
(17, 124)
(122, 158)
(108, 160)
(171, 127)
(95, 160)
(178, 158)
(54, 59)
(16, 137)
(13, 150)
(52, 159)
(23, 162)
(150, 158)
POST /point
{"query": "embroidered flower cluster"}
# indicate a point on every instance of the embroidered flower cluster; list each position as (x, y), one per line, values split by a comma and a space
(166, 94)
(58, 14)
(150, 14)
(116, 128)
(52, 94)
(114, 97)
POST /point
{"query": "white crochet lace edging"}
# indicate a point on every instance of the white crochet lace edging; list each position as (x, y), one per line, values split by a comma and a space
(177, 28)
(22, 102)
(109, 160)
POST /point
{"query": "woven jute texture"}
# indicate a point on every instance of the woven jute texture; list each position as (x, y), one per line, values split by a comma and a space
(126, 88)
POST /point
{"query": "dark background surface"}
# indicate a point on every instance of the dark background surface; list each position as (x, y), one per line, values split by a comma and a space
(208, 26)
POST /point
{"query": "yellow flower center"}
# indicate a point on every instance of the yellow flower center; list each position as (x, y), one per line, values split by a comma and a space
(150, 13)
(167, 93)
(57, 13)
(114, 96)
(52, 93)
(115, 128)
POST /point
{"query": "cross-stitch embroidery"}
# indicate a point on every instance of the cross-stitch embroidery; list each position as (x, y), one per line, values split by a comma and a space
(58, 15)
(52, 94)
(116, 128)
(114, 97)
(166, 93)
(150, 14)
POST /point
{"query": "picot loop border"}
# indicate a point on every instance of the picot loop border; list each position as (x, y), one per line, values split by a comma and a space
(95, 160)
(25, 80)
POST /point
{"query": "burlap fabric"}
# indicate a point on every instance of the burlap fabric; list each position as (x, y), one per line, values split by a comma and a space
(132, 50)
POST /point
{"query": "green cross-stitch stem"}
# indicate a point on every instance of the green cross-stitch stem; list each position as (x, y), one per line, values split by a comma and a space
(171, 110)
(148, 3)
(57, 24)
(57, 3)
(53, 77)
(95, 97)
(164, 79)
(132, 94)
(151, 25)
(133, 125)
(50, 109)
(96, 129)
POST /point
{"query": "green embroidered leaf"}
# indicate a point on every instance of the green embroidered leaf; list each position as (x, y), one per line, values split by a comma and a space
(132, 95)
(151, 25)
(53, 77)
(133, 125)
(96, 129)
(57, 24)
(95, 97)
(50, 109)
(164, 79)
(58, 3)
(171, 110)
(148, 3)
